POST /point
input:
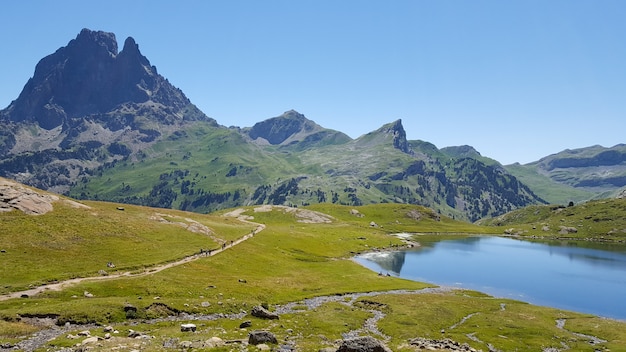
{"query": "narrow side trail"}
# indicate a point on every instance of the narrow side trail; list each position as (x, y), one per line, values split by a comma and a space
(147, 271)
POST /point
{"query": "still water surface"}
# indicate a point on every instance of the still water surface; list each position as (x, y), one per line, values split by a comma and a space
(566, 277)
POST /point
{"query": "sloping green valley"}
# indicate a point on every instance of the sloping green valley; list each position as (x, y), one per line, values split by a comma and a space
(145, 271)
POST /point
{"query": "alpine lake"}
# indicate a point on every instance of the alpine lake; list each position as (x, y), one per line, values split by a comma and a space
(576, 276)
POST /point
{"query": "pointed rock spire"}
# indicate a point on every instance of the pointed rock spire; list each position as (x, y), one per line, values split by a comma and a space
(399, 136)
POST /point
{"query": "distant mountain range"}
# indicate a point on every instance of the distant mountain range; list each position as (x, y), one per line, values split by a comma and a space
(95, 123)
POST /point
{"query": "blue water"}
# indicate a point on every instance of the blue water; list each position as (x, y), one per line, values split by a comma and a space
(572, 278)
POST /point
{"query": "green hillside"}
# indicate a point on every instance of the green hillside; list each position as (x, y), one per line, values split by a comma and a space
(278, 255)
(575, 174)
(597, 220)
(204, 168)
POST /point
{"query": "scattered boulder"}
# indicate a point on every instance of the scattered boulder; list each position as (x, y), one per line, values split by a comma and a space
(261, 336)
(363, 344)
(263, 313)
(356, 213)
(185, 345)
(373, 224)
(136, 334)
(513, 231)
(444, 344)
(87, 294)
(130, 308)
(170, 343)
(91, 339)
(214, 342)
(187, 327)
(564, 230)
(245, 324)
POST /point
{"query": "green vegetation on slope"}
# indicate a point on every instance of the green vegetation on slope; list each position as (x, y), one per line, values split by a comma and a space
(597, 220)
(298, 255)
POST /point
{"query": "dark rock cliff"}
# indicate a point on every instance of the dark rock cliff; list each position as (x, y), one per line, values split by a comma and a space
(89, 76)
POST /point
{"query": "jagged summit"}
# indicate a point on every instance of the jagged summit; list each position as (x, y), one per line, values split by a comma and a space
(391, 132)
(399, 136)
(89, 76)
(88, 99)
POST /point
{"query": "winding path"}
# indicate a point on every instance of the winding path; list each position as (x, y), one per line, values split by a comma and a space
(147, 271)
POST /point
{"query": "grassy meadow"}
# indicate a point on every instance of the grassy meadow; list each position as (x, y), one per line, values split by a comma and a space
(289, 261)
(592, 221)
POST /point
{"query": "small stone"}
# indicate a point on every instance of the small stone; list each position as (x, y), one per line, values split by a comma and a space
(91, 339)
(214, 342)
(186, 344)
(188, 327)
(263, 347)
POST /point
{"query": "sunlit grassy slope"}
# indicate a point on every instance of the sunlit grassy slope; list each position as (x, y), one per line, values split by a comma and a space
(289, 260)
(599, 220)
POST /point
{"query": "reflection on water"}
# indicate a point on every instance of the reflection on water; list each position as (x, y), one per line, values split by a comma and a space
(387, 261)
(582, 279)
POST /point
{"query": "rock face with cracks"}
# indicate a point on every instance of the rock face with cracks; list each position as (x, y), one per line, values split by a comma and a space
(14, 196)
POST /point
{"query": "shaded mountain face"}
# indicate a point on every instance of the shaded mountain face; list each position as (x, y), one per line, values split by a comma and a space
(592, 172)
(393, 133)
(87, 105)
(95, 123)
(294, 129)
(89, 76)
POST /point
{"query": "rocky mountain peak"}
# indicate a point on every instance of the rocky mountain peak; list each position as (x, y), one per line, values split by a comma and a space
(294, 129)
(461, 151)
(89, 76)
(399, 136)
(278, 129)
(88, 40)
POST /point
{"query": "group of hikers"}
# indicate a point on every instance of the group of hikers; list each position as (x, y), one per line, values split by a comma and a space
(207, 252)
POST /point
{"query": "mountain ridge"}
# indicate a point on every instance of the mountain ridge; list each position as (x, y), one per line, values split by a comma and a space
(130, 136)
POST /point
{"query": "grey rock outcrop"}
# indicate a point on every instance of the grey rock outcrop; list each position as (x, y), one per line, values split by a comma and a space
(260, 336)
(87, 77)
(363, 344)
(263, 313)
(443, 344)
(293, 128)
(86, 99)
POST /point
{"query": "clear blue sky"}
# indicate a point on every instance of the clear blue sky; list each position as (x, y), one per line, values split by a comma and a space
(517, 80)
